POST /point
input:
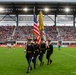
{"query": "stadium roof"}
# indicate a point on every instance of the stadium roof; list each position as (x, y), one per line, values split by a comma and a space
(38, 1)
(55, 7)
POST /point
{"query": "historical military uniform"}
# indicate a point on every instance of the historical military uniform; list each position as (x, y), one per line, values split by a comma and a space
(36, 46)
(36, 52)
(29, 53)
(42, 52)
(49, 52)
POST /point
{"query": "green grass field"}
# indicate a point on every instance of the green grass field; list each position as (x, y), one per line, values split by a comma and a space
(13, 62)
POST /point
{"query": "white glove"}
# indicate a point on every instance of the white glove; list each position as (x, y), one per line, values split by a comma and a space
(32, 57)
(24, 51)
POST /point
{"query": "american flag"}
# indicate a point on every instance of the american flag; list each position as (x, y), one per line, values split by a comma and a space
(36, 30)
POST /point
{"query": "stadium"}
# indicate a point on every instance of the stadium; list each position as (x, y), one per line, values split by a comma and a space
(17, 25)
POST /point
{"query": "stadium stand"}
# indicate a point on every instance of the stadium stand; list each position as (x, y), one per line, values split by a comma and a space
(5, 32)
(67, 33)
(21, 33)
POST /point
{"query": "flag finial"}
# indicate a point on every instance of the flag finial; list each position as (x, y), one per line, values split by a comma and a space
(34, 9)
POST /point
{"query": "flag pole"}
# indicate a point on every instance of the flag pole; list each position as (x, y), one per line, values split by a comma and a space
(33, 30)
(36, 29)
(34, 10)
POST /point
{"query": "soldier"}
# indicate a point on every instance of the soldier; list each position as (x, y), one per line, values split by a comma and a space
(49, 52)
(29, 53)
(42, 51)
(36, 52)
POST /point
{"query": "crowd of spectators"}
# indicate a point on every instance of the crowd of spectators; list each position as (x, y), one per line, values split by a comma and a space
(6, 32)
(67, 33)
(21, 33)
(51, 33)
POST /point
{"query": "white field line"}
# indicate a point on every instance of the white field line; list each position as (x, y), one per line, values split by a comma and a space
(68, 54)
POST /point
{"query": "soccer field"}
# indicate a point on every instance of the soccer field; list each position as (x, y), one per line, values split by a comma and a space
(13, 62)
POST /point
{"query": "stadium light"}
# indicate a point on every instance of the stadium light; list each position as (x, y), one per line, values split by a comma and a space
(25, 9)
(67, 9)
(1, 9)
(46, 9)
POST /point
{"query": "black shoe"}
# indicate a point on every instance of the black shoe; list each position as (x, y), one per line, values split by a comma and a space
(30, 68)
(27, 72)
(50, 61)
